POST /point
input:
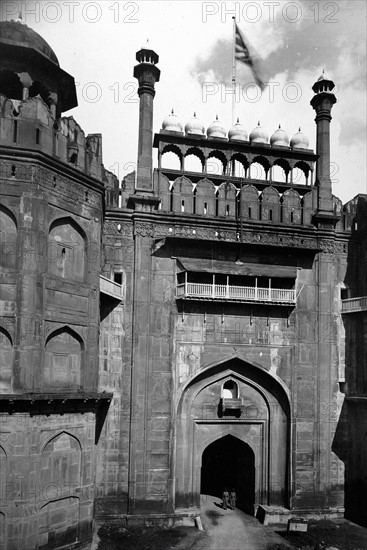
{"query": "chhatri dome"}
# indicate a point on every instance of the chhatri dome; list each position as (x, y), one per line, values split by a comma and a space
(194, 126)
(237, 132)
(259, 135)
(216, 130)
(299, 141)
(279, 138)
(172, 123)
(17, 34)
(30, 67)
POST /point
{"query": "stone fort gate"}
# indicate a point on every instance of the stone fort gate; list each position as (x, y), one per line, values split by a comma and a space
(233, 428)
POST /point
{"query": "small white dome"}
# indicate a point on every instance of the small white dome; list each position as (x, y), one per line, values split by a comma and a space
(299, 141)
(216, 129)
(259, 135)
(238, 132)
(194, 126)
(279, 138)
(172, 123)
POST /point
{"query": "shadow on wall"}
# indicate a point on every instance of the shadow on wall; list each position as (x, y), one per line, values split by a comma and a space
(350, 441)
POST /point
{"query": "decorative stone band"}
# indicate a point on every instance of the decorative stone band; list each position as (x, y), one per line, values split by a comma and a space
(159, 230)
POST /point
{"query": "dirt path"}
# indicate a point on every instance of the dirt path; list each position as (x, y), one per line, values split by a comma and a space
(229, 530)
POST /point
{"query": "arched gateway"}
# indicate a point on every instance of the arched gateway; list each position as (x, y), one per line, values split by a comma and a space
(229, 462)
(241, 440)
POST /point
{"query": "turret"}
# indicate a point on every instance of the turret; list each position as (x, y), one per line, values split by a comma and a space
(29, 67)
(322, 102)
(147, 74)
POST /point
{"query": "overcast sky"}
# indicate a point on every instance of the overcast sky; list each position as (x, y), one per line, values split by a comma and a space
(96, 42)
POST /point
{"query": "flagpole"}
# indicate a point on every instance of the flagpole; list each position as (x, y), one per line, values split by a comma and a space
(234, 70)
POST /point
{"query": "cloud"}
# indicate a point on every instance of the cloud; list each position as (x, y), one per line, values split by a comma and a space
(332, 37)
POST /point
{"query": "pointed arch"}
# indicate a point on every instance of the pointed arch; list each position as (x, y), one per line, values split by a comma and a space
(239, 165)
(205, 198)
(6, 360)
(8, 238)
(301, 172)
(63, 359)
(263, 162)
(190, 164)
(230, 389)
(229, 461)
(264, 425)
(67, 507)
(219, 168)
(227, 199)
(270, 205)
(67, 249)
(61, 464)
(171, 157)
(183, 196)
(235, 366)
(250, 204)
(281, 175)
(72, 437)
(292, 210)
(10, 84)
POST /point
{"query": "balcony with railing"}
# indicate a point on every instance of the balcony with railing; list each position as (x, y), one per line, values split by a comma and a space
(111, 288)
(247, 293)
(354, 305)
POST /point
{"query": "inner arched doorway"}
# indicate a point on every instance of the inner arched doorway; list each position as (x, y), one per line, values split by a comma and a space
(229, 462)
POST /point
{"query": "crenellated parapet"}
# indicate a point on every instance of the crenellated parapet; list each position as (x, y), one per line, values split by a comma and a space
(30, 125)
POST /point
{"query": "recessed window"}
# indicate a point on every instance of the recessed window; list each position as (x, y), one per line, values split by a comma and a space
(15, 131)
(117, 277)
(230, 390)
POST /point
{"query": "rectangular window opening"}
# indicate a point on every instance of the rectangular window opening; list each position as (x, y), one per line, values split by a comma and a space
(15, 131)
(117, 277)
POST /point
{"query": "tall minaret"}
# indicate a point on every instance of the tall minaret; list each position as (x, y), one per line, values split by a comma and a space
(322, 102)
(147, 74)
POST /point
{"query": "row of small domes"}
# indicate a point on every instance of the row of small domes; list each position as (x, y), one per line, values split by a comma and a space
(237, 133)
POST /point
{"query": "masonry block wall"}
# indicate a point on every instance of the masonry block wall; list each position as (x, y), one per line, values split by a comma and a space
(52, 192)
(354, 413)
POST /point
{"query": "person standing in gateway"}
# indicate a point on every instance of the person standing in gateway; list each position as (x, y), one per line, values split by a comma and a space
(232, 499)
(225, 498)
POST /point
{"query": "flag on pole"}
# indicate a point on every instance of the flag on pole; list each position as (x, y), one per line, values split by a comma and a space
(242, 54)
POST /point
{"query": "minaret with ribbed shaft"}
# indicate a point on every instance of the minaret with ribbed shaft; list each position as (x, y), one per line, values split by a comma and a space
(147, 74)
(322, 102)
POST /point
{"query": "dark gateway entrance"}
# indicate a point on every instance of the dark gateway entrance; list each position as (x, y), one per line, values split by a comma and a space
(229, 462)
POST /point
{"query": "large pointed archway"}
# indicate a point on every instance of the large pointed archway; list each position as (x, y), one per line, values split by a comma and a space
(229, 462)
(258, 432)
